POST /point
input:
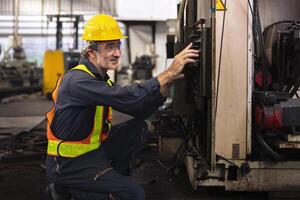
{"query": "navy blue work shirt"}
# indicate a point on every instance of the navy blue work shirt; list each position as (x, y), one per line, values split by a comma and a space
(78, 95)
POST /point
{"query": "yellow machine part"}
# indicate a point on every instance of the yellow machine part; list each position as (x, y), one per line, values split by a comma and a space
(53, 68)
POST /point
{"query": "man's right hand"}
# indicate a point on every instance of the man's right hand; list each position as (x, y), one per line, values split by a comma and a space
(175, 69)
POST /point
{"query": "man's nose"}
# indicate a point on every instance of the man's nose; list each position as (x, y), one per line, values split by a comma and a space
(117, 53)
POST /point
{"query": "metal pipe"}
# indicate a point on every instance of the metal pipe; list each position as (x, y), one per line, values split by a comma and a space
(77, 18)
(127, 27)
(100, 6)
(180, 14)
(42, 18)
(16, 24)
(58, 7)
(71, 7)
(213, 100)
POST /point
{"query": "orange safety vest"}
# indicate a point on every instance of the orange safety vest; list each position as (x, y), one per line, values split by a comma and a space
(99, 133)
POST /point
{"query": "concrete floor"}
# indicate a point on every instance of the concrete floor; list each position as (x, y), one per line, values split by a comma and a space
(26, 179)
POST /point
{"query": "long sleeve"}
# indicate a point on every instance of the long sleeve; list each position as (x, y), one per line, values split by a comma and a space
(138, 100)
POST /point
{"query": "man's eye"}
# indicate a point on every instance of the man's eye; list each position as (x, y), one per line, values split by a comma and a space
(114, 47)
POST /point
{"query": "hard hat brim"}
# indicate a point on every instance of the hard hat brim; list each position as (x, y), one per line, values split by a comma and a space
(110, 39)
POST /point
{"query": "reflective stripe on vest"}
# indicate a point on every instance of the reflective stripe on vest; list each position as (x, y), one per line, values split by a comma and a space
(57, 147)
(105, 134)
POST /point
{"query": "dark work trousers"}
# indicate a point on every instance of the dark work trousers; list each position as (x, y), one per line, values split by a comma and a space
(107, 176)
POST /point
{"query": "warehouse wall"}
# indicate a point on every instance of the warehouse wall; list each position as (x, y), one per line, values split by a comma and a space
(156, 10)
(33, 23)
(272, 11)
(147, 9)
(46, 7)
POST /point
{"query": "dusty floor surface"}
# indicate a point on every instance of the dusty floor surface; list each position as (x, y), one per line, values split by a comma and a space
(22, 174)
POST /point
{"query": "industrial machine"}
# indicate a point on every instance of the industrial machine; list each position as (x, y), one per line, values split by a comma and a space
(142, 67)
(56, 62)
(234, 120)
(17, 73)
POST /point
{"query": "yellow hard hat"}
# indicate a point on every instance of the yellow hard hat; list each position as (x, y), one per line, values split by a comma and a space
(102, 28)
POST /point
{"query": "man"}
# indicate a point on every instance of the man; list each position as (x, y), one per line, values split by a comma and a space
(86, 156)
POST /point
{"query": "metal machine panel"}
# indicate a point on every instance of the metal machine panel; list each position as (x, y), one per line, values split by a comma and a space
(273, 11)
(267, 176)
(231, 120)
(53, 68)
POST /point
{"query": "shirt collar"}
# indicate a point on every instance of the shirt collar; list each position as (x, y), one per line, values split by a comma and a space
(91, 67)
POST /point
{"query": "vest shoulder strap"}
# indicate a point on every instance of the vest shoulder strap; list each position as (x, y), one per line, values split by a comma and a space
(109, 82)
(83, 68)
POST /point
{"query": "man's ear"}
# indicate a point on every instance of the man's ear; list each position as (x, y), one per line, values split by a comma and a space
(91, 53)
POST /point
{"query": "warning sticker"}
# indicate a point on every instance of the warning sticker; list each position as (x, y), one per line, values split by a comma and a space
(220, 5)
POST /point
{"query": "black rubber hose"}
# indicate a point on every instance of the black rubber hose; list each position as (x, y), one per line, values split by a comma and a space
(261, 141)
(258, 34)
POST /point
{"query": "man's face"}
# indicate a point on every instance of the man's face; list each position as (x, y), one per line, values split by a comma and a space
(108, 55)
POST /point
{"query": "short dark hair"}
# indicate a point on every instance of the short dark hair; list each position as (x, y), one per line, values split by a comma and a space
(93, 45)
